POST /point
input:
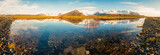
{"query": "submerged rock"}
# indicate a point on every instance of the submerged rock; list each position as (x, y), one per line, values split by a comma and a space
(87, 52)
(79, 51)
(76, 51)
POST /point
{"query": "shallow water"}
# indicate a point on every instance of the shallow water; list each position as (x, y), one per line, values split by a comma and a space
(90, 36)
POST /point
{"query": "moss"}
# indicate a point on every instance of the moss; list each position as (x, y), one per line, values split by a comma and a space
(157, 29)
(151, 39)
(12, 45)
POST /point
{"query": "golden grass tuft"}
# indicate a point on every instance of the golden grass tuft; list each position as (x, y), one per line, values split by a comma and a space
(12, 45)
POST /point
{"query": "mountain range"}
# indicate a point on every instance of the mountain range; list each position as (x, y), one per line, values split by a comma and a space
(83, 13)
(116, 12)
(103, 12)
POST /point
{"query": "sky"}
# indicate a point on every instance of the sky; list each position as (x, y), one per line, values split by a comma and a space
(54, 7)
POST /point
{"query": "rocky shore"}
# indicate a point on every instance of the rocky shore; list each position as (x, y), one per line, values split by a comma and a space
(4, 35)
(149, 38)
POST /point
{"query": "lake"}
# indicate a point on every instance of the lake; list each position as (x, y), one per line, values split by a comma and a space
(66, 37)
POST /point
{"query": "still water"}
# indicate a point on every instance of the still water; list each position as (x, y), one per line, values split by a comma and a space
(62, 37)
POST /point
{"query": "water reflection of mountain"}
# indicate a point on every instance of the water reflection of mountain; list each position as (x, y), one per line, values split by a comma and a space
(93, 23)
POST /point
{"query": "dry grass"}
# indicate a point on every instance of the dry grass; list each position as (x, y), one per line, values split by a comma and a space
(99, 17)
(72, 17)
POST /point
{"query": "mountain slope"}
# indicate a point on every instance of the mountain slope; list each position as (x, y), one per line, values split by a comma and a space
(73, 13)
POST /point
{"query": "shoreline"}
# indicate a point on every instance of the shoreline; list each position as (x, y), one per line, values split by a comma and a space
(149, 38)
(72, 17)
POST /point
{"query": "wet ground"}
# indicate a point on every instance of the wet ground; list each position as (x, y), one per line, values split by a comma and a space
(68, 37)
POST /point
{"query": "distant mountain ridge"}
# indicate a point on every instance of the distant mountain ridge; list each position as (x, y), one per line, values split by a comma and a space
(114, 12)
(99, 13)
(41, 14)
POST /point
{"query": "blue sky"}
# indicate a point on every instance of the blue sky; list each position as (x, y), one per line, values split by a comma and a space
(144, 7)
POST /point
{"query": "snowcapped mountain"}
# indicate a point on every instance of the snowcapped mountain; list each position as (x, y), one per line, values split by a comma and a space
(125, 12)
(94, 12)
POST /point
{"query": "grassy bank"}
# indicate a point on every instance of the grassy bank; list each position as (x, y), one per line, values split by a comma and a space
(72, 17)
(101, 17)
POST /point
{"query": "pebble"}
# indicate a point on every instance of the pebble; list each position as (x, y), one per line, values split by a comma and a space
(80, 36)
(87, 52)
(36, 50)
(147, 49)
(99, 39)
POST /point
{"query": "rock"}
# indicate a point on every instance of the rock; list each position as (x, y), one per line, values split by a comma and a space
(147, 49)
(80, 36)
(79, 51)
(99, 39)
(69, 49)
(87, 52)
(138, 34)
(76, 51)
(139, 26)
(10, 50)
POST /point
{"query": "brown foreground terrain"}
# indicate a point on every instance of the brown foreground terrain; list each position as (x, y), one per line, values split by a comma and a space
(4, 35)
(149, 42)
(150, 37)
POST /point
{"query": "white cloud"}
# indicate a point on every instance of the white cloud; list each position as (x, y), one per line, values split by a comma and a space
(147, 11)
(144, 10)
(82, 8)
(74, 2)
(81, 3)
(16, 7)
(130, 3)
